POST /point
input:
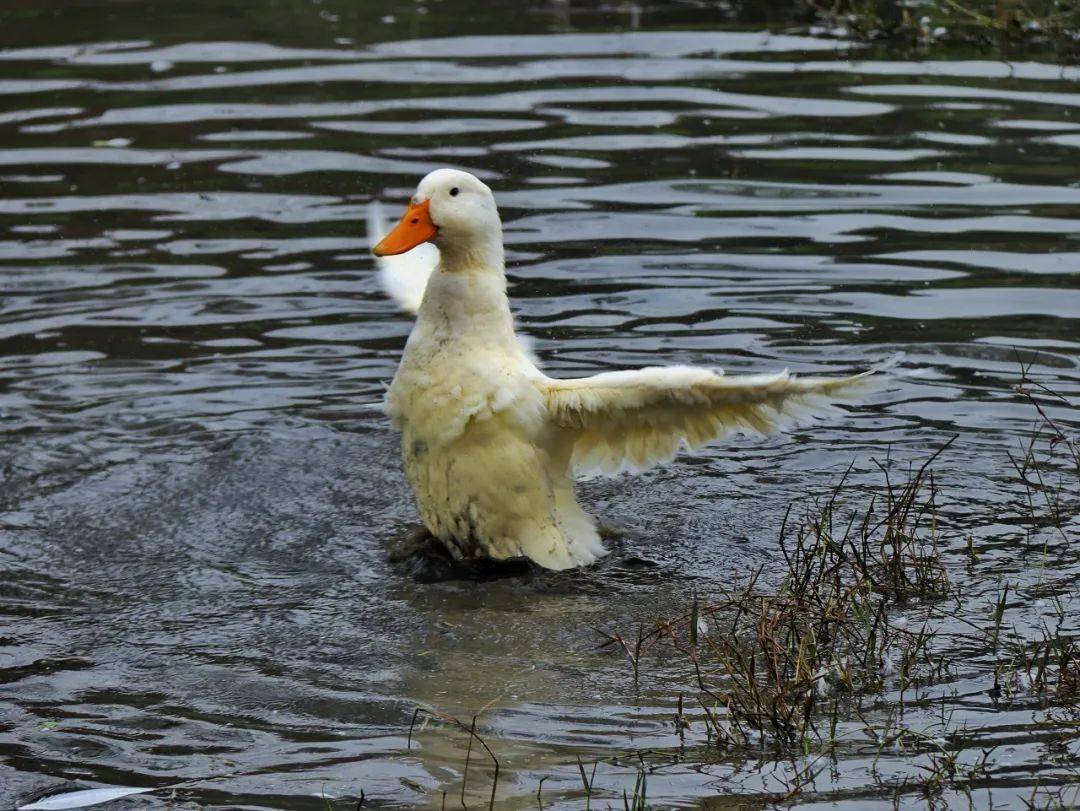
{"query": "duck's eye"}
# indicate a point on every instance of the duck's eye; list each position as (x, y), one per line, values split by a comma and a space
(454, 191)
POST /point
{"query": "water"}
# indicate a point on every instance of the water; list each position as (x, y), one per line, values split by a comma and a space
(198, 497)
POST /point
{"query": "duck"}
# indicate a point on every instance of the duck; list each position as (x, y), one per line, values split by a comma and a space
(491, 445)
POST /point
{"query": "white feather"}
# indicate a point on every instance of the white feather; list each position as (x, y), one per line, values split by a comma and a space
(632, 420)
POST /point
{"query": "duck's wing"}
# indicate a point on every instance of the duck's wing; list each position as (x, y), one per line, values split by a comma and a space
(405, 276)
(634, 419)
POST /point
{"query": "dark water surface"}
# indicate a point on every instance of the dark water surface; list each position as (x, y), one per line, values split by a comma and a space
(197, 495)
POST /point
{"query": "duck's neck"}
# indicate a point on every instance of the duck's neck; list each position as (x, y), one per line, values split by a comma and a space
(466, 298)
(481, 254)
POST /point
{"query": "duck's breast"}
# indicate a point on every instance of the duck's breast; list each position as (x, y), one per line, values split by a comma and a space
(444, 385)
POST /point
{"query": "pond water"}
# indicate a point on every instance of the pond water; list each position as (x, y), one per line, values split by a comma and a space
(198, 494)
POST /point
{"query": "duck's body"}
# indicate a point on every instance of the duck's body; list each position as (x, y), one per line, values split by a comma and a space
(491, 444)
(480, 454)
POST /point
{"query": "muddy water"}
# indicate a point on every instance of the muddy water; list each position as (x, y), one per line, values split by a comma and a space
(197, 495)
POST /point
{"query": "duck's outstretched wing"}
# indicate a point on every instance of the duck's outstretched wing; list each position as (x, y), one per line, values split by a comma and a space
(405, 276)
(634, 419)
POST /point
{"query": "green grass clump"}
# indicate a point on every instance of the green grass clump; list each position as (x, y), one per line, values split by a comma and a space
(767, 660)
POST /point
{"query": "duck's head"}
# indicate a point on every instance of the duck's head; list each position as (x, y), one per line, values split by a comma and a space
(451, 208)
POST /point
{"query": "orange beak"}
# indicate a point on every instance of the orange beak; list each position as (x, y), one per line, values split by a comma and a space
(415, 227)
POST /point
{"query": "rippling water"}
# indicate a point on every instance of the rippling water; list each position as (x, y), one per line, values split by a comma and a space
(197, 495)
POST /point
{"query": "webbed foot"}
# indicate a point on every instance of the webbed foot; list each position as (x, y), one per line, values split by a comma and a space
(418, 542)
(429, 561)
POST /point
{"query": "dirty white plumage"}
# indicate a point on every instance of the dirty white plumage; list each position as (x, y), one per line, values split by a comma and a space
(490, 443)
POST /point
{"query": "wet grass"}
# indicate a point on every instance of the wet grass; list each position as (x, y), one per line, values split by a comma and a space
(998, 26)
(470, 729)
(774, 666)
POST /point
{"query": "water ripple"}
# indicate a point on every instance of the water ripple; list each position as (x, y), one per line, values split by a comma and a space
(199, 488)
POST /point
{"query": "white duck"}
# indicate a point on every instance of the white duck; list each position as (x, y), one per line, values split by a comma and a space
(490, 443)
